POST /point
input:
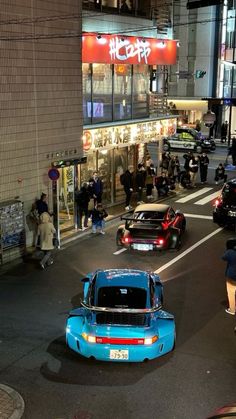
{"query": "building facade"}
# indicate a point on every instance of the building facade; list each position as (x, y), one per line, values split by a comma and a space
(41, 95)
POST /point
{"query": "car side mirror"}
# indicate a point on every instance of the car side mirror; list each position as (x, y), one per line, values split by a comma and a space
(85, 280)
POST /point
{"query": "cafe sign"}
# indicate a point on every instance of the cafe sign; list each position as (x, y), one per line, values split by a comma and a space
(120, 49)
(126, 135)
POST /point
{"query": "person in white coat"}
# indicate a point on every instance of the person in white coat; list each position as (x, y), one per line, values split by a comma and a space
(46, 231)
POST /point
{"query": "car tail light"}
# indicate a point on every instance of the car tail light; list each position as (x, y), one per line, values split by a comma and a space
(126, 239)
(218, 201)
(89, 338)
(126, 341)
(160, 241)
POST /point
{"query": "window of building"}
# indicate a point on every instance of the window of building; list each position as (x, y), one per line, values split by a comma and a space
(122, 91)
(87, 92)
(141, 84)
(100, 109)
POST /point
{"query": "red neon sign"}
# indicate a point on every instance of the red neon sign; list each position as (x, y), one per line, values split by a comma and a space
(118, 49)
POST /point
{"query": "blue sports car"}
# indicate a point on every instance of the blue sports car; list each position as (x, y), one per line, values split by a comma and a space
(121, 317)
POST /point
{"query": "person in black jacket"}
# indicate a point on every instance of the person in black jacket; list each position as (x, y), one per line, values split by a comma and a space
(98, 219)
(82, 199)
(41, 204)
(162, 185)
(220, 174)
(140, 182)
(126, 180)
(203, 164)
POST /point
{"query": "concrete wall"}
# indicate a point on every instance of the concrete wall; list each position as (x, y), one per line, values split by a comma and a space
(40, 94)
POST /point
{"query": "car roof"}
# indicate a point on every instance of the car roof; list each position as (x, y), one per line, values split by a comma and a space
(122, 277)
(152, 207)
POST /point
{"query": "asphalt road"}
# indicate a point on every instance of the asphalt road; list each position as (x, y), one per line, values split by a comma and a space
(189, 383)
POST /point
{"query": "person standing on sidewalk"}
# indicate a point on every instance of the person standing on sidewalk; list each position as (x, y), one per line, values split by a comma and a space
(46, 233)
(126, 179)
(140, 182)
(230, 273)
(97, 188)
(203, 164)
(193, 169)
(82, 198)
(224, 131)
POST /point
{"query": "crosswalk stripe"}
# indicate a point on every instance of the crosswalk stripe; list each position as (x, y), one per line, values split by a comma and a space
(208, 198)
(202, 217)
(194, 195)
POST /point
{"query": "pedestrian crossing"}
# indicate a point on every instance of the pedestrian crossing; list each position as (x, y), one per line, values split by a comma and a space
(204, 200)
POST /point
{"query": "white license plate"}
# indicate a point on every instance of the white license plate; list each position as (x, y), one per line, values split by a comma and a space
(141, 246)
(232, 213)
(119, 354)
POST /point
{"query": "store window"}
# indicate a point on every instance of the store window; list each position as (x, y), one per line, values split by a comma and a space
(227, 81)
(87, 92)
(105, 173)
(141, 84)
(120, 166)
(88, 168)
(122, 91)
(100, 108)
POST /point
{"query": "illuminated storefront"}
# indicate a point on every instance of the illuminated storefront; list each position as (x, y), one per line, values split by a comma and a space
(117, 74)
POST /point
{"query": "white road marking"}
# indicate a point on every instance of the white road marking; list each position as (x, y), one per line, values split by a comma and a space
(194, 195)
(203, 217)
(208, 198)
(190, 249)
(120, 251)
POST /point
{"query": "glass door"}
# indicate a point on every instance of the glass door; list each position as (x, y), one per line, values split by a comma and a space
(66, 198)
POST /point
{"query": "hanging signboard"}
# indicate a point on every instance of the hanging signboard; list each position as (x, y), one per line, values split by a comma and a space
(118, 49)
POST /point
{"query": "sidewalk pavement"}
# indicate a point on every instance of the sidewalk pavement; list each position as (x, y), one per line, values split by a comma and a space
(11, 403)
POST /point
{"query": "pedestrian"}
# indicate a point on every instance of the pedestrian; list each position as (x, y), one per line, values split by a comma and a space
(187, 157)
(224, 131)
(162, 185)
(140, 182)
(193, 169)
(82, 199)
(46, 233)
(98, 215)
(220, 174)
(149, 183)
(185, 180)
(126, 179)
(41, 204)
(230, 273)
(165, 161)
(97, 189)
(203, 164)
(233, 151)
(174, 168)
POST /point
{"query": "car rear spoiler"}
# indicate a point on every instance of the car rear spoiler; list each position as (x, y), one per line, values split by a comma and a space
(122, 310)
(148, 220)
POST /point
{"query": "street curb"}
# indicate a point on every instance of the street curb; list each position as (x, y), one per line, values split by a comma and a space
(18, 401)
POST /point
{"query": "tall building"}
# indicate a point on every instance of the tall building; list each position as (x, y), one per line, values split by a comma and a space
(41, 96)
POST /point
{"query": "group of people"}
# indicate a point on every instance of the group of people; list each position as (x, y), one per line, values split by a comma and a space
(193, 165)
(89, 205)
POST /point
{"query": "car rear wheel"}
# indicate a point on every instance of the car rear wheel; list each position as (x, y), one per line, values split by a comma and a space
(118, 239)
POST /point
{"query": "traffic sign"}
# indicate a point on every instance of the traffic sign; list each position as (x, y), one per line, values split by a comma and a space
(53, 173)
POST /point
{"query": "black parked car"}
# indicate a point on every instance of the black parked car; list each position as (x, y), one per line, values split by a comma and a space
(189, 139)
(152, 227)
(224, 212)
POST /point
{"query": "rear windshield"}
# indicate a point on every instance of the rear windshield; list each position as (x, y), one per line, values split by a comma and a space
(122, 297)
(229, 195)
(152, 215)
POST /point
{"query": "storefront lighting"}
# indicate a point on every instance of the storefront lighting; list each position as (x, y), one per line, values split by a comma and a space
(178, 44)
(101, 39)
(104, 152)
(161, 44)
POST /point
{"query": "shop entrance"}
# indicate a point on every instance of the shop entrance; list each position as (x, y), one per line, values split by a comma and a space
(66, 211)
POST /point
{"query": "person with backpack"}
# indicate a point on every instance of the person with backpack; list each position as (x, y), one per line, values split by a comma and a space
(126, 179)
(82, 198)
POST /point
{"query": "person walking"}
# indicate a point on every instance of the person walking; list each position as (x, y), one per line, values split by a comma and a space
(82, 198)
(203, 165)
(193, 169)
(46, 231)
(98, 215)
(140, 182)
(165, 161)
(97, 189)
(220, 174)
(230, 257)
(224, 131)
(126, 179)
